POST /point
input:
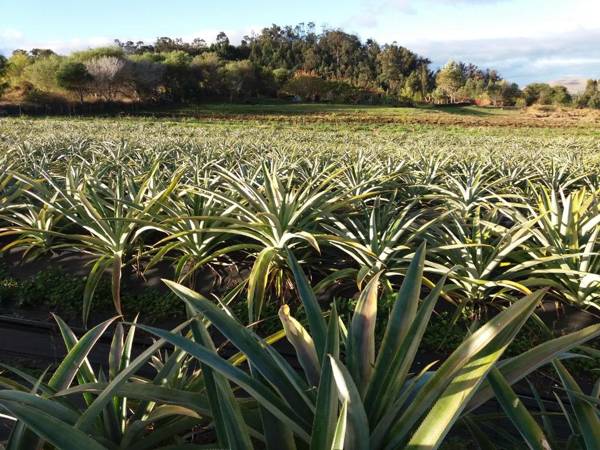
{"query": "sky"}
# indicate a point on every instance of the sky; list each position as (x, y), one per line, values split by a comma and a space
(526, 40)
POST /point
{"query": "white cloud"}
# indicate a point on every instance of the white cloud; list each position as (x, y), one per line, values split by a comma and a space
(439, 20)
(408, 4)
(11, 39)
(14, 39)
(526, 40)
(10, 34)
(523, 59)
(373, 10)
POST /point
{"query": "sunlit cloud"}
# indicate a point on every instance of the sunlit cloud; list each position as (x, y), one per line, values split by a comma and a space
(523, 59)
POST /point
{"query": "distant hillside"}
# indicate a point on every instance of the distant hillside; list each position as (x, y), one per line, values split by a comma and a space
(575, 85)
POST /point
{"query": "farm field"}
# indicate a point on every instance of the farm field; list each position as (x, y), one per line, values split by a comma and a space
(375, 115)
(378, 115)
(445, 240)
(309, 226)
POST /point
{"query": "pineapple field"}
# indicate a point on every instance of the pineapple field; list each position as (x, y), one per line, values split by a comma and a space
(385, 283)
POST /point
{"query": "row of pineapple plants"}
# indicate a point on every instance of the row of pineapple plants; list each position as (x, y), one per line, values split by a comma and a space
(352, 392)
(506, 230)
(497, 236)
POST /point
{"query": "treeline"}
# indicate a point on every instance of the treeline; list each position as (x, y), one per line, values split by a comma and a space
(297, 63)
(544, 94)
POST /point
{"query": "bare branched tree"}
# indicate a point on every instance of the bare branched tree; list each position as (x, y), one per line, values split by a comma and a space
(110, 75)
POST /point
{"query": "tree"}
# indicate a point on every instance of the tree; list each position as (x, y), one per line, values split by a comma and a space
(98, 52)
(561, 96)
(240, 78)
(410, 88)
(109, 75)
(510, 93)
(591, 87)
(540, 93)
(147, 56)
(594, 101)
(494, 92)
(395, 65)
(591, 90)
(42, 73)
(41, 53)
(74, 77)
(208, 66)
(449, 80)
(134, 48)
(15, 67)
(278, 47)
(426, 80)
(544, 94)
(389, 69)
(181, 81)
(338, 54)
(146, 77)
(475, 88)
(306, 87)
(223, 47)
(3, 66)
(167, 45)
(281, 76)
(503, 93)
